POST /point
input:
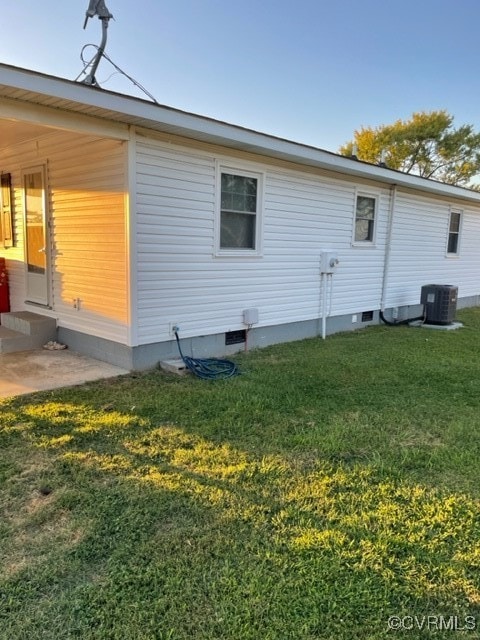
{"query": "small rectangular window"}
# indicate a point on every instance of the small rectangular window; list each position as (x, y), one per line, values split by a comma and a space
(239, 212)
(365, 214)
(6, 211)
(453, 246)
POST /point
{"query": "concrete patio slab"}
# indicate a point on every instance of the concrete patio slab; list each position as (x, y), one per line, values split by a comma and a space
(41, 370)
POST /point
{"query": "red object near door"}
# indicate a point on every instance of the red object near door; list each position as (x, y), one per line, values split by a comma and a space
(4, 293)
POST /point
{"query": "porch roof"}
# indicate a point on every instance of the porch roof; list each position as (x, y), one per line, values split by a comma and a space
(65, 96)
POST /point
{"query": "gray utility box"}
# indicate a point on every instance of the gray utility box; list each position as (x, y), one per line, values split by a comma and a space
(440, 302)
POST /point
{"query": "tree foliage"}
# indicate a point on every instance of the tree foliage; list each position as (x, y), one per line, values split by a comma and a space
(426, 145)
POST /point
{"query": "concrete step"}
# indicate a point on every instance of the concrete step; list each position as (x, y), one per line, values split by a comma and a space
(24, 330)
(28, 322)
(11, 341)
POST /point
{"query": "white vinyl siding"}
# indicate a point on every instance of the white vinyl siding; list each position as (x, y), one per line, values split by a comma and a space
(418, 250)
(305, 215)
(86, 200)
(179, 278)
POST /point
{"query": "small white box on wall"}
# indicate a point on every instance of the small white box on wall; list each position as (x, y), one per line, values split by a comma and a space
(250, 316)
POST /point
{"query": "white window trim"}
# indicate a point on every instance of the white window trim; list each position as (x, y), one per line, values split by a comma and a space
(375, 196)
(239, 170)
(459, 244)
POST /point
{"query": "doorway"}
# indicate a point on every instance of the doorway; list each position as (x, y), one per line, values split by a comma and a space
(36, 236)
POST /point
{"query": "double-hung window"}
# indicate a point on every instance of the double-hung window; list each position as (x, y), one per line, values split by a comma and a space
(453, 245)
(6, 210)
(240, 210)
(365, 219)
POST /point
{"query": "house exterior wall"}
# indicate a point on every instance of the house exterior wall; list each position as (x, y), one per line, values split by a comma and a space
(418, 253)
(169, 186)
(85, 177)
(181, 279)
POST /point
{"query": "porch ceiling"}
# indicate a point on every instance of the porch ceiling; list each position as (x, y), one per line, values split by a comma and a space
(13, 132)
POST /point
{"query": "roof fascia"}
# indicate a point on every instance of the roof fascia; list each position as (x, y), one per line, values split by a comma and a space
(130, 110)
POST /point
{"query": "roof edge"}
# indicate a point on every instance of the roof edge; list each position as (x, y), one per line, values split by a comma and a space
(162, 118)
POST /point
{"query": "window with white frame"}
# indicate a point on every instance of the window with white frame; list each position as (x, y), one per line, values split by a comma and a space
(365, 216)
(6, 210)
(239, 211)
(453, 245)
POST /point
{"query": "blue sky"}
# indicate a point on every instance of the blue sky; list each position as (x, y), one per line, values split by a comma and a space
(304, 70)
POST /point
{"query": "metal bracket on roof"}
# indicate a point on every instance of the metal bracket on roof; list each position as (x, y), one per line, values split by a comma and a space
(97, 8)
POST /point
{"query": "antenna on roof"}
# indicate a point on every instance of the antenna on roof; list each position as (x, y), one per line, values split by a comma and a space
(97, 8)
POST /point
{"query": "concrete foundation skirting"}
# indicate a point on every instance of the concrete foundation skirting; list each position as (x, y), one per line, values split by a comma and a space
(149, 355)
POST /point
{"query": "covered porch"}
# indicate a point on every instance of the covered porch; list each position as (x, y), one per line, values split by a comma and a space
(64, 223)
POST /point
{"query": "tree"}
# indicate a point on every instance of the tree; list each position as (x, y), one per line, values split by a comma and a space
(426, 145)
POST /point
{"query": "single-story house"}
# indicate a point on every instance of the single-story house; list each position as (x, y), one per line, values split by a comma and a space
(122, 219)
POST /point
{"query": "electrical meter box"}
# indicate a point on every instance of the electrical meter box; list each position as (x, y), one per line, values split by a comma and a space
(328, 261)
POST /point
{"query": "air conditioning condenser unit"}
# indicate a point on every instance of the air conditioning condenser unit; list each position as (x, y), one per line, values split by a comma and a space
(440, 303)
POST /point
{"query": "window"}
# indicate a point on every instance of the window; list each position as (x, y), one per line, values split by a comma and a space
(365, 213)
(454, 233)
(239, 211)
(6, 211)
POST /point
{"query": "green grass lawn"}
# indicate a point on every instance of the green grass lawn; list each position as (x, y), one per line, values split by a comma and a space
(330, 486)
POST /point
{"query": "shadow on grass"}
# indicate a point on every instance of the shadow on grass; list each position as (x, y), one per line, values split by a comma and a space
(297, 501)
(149, 531)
